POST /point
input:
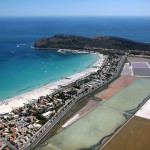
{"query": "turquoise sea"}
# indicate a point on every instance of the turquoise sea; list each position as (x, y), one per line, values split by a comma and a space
(23, 68)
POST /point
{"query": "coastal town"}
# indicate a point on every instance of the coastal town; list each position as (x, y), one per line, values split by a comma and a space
(23, 127)
(74, 75)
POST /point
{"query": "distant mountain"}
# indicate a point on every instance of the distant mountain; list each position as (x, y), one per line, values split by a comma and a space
(61, 41)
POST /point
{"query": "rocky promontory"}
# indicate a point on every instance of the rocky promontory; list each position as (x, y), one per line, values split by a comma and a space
(61, 41)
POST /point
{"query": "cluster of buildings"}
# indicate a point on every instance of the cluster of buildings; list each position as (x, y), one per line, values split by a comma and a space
(18, 127)
(100, 77)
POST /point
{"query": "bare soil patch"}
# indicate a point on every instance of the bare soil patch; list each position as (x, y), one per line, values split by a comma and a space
(115, 87)
(134, 136)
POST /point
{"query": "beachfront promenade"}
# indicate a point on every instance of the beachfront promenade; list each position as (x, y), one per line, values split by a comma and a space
(105, 72)
(51, 123)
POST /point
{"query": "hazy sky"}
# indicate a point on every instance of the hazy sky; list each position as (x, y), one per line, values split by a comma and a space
(74, 7)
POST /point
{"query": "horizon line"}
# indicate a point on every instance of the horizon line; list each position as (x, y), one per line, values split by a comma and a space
(78, 16)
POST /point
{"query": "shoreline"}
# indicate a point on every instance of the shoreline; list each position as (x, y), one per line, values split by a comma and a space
(36, 86)
(7, 105)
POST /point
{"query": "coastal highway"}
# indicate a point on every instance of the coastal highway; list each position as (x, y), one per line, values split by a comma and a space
(51, 123)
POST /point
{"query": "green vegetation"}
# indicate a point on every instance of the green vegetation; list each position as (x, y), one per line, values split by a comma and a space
(96, 43)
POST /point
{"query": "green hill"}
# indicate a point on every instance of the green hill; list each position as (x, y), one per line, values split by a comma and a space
(61, 41)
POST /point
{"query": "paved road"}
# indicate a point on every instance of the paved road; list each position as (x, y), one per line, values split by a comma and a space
(51, 123)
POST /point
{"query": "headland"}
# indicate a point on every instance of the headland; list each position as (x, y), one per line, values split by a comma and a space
(96, 43)
(35, 113)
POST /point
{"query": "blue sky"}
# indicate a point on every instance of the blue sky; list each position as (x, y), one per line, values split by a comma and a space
(74, 7)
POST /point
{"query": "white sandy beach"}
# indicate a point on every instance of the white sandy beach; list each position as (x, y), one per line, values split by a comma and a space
(19, 100)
